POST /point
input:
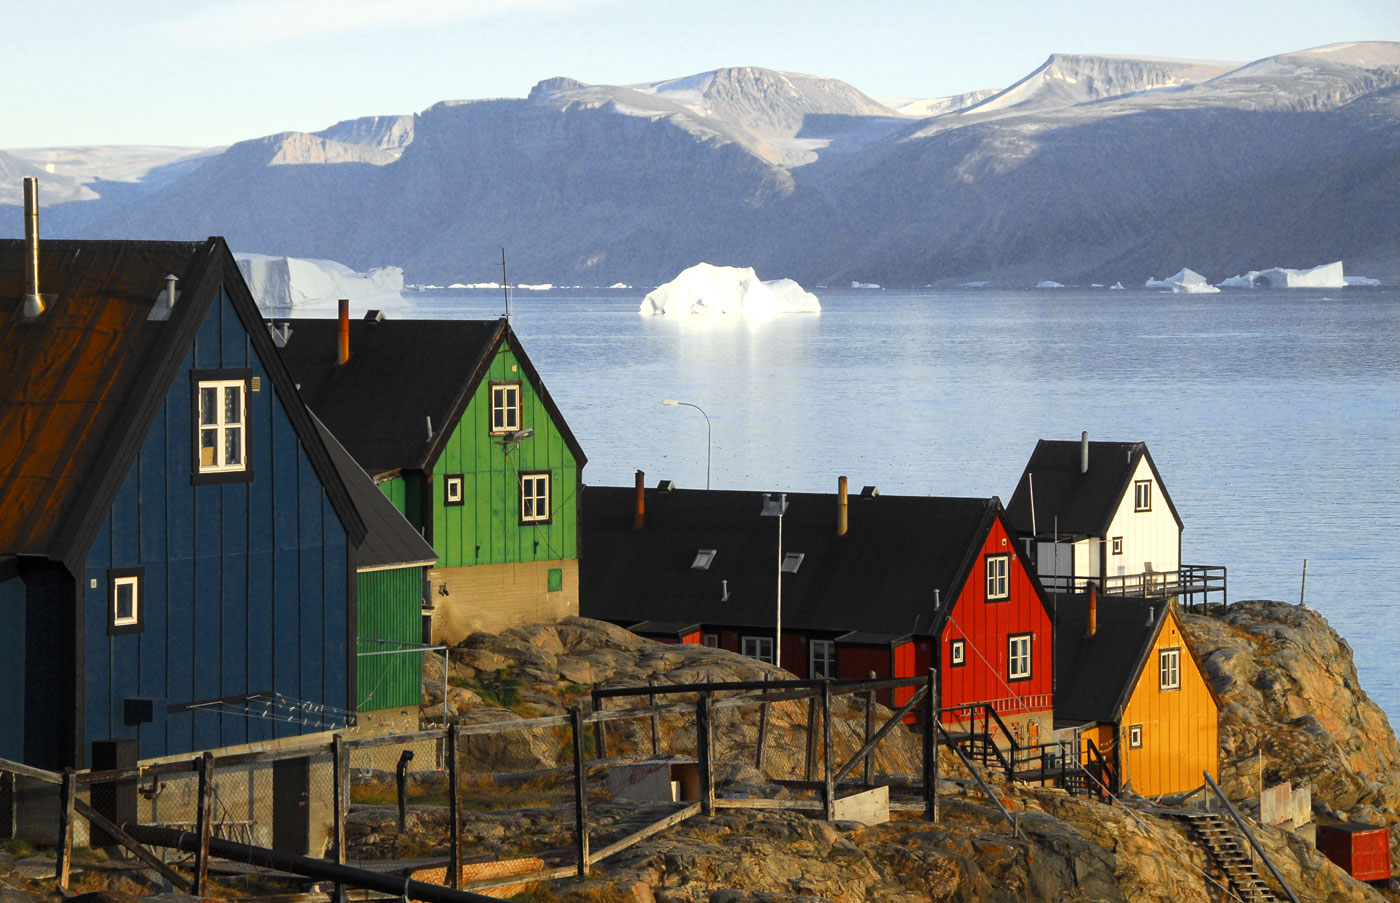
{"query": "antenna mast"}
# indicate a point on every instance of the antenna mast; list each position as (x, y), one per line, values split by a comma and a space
(505, 282)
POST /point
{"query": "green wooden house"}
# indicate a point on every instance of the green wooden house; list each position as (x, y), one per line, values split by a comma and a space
(453, 422)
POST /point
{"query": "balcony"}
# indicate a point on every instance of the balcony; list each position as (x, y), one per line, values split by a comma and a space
(1196, 587)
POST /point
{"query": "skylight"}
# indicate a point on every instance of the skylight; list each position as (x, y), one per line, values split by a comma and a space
(702, 561)
(792, 561)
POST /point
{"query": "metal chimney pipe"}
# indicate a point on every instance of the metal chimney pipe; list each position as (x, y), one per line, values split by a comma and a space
(1084, 452)
(344, 331)
(640, 520)
(842, 507)
(33, 303)
(1093, 626)
(170, 280)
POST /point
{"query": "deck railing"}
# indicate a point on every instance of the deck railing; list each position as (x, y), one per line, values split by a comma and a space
(1200, 587)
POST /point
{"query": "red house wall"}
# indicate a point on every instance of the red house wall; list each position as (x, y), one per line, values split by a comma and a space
(986, 627)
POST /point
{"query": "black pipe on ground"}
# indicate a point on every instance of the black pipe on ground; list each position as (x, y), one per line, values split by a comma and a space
(320, 869)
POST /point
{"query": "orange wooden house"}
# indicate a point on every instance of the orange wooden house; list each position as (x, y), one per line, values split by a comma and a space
(1129, 680)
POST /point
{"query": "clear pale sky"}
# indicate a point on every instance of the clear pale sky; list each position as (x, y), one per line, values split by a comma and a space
(183, 72)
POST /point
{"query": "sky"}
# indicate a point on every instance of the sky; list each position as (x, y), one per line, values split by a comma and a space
(192, 73)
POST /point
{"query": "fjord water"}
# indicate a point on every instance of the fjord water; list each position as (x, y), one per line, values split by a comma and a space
(1273, 415)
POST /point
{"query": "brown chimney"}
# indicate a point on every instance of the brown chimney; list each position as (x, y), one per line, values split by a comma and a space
(33, 303)
(841, 506)
(1093, 626)
(640, 520)
(344, 331)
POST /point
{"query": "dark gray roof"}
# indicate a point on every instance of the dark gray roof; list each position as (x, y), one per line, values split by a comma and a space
(390, 540)
(1095, 676)
(882, 577)
(1082, 503)
(400, 374)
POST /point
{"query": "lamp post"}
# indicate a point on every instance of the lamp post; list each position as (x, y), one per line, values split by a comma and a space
(774, 507)
(708, 433)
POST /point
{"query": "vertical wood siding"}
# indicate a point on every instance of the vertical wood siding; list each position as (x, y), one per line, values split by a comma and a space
(1180, 728)
(1148, 536)
(390, 605)
(986, 627)
(486, 529)
(246, 583)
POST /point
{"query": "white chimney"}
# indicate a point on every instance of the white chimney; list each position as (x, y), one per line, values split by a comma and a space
(1084, 452)
(33, 301)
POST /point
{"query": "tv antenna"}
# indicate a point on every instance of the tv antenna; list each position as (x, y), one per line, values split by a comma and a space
(505, 282)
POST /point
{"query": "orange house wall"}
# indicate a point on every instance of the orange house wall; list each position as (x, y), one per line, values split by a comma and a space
(986, 627)
(1180, 728)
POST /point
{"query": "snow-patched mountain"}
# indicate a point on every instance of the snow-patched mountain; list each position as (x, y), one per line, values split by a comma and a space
(1092, 169)
(937, 106)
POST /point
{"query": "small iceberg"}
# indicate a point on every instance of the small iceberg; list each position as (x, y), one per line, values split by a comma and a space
(1184, 281)
(283, 285)
(1328, 275)
(619, 285)
(708, 289)
(1117, 286)
(855, 284)
(1049, 283)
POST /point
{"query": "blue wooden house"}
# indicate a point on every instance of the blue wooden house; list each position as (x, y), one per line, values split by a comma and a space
(176, 548)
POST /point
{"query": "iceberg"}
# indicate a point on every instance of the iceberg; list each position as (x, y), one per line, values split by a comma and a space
(855, 284)
(619, 285)
(1117, 286)
(1184, 281)
(708, 289)
(1328, 275)
(284, 284)
(1049, 283)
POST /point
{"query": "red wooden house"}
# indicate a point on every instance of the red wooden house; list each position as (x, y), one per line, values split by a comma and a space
(890, 584)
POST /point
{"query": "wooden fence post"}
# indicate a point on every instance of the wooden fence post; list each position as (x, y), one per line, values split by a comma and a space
(454, 805)
(869, 730)
(655, 718)
(704, 741)
(204, 822)
(580, 790)
(600, 732)
(931, 716)
(810, 772)
(68, 792)
(762, 732)
(338, 790)
(828, 785)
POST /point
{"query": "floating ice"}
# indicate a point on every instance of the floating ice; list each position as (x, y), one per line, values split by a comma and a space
(1117, 286)
(705, 289)
(855, 284)
(1328, 275)
(1184, 281)
(534, 287)
(1049, 283)
(976, 284)
(619, 285)
(282, 284)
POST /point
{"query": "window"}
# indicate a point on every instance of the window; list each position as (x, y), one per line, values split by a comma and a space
(957, 653)
(1018, 657)
(534, 498)
(791, 562)
(1142, 495)
(452, 489)
(1118, 545)
(822, 656)
(505, 407)
(1169, 669)
(555, 580)
(997, 568)
(221, 425)
(126, 600)
(1135, 736)
(759, 647)
(703, 559)
(710, 639)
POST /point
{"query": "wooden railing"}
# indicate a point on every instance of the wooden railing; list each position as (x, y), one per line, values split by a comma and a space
(1192, 585)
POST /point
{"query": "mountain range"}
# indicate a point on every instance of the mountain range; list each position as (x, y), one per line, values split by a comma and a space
(1089, 169)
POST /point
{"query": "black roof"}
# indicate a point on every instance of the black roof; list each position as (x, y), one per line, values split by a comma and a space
(390, 540)
(1082, 503)
(400, 375)
(82, 383)
(899, 554)
(1095, 676)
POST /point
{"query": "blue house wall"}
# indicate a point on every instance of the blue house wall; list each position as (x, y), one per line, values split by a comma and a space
(246, 585)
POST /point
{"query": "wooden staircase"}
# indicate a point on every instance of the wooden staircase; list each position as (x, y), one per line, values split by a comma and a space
(1229, 857)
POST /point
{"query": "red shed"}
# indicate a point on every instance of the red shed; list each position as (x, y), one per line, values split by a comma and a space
(1363, 850)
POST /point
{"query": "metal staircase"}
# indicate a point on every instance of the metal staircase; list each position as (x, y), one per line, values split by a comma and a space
(1229, 857)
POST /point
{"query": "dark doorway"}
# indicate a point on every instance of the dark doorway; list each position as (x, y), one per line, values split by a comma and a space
(291, 805)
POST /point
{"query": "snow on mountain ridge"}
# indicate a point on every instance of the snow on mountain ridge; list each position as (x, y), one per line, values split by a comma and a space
(1066, 79)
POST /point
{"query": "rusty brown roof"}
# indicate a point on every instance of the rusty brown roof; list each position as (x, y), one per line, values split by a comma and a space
(79, 383)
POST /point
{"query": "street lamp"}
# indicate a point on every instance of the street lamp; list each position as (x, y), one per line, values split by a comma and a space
(774, 507)
(707, 433)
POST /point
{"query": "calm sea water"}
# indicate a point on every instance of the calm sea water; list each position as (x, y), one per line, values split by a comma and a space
(1274, 416)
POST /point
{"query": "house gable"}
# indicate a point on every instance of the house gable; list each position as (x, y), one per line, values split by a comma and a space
(1147, 540)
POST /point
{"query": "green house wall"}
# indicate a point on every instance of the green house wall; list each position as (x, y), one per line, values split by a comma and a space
(390, 608)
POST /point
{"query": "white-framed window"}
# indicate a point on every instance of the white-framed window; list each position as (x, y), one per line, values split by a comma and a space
(821, 656)
(1135, 736)
(1018, 656)
(1117, 545)
(534, 498)
(957, 653)
(709, 639)
(452, 492)
(1169, 669)
(759, 647)
(998, 581)
(505, 407)
(221, 422)
(1142, 495)
(126, 600)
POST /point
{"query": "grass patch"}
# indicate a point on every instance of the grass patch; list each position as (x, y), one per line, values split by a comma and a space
(385, 793)
(18, 847)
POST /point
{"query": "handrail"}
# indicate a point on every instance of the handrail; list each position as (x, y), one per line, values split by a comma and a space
(1239, 820)
(972, 770)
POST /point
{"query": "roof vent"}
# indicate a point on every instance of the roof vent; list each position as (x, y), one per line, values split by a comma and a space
(1151, 615)
(165, 301)
(724, 591)
(666, 486)
(33, 301)
(869, 492)
(374, 316)
(281, 332)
